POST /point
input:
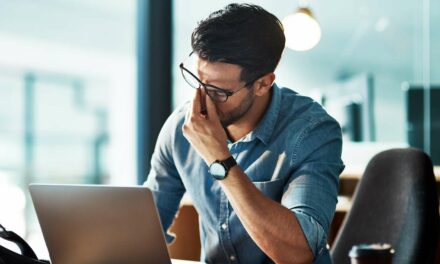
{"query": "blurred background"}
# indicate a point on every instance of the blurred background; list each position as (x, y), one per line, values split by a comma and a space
(86, 85)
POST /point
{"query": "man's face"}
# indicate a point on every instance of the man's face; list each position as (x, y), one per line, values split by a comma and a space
(227, 76)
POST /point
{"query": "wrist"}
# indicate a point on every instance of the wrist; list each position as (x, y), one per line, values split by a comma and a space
(219, 156)
(219, 169)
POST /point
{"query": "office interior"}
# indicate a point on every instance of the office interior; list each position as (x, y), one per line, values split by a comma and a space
(85, 87)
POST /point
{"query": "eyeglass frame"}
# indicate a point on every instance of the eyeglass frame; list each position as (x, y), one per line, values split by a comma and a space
(204, 85)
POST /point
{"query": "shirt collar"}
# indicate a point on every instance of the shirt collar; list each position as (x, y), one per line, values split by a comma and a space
(264, 129)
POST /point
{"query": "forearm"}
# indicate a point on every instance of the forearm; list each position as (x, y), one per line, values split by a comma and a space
(273, 227)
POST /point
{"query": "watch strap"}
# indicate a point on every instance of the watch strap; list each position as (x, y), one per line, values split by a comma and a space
(229, 163)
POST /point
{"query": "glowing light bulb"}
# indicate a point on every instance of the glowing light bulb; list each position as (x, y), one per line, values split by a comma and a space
(302, 30)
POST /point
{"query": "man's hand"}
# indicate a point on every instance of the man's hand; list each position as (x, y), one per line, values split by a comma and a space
(204, 131)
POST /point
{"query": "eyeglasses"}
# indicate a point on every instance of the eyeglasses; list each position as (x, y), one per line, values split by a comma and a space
(215, 93)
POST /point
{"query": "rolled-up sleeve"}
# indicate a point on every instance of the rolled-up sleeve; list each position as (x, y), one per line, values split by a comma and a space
(312, 189)
(164, 180)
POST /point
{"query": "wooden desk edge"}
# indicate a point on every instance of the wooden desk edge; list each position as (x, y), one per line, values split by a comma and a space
(356, 174)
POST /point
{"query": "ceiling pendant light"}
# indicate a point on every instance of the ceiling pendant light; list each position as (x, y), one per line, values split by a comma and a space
(302, 30)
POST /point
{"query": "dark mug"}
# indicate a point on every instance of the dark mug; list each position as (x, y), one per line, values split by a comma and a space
(371, 254)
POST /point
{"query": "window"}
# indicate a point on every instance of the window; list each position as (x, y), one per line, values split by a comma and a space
(67, 100)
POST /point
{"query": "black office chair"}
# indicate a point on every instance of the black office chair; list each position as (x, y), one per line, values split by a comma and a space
(395, 202)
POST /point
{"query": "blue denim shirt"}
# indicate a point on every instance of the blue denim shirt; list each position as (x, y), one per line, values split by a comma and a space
(293, 156)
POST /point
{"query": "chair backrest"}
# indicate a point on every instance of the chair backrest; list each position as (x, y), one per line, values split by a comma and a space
(395, 202)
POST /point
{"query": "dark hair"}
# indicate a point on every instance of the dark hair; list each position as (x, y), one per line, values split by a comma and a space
(241, 34)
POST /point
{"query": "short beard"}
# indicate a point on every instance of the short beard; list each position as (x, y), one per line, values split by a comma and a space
(231, 117)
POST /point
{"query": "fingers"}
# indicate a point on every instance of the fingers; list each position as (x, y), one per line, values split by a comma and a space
(203, 99)
(195, 105)
(211, 109)
(203, 106)
(188, 113)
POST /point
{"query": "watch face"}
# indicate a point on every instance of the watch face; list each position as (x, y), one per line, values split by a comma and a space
(217, 171)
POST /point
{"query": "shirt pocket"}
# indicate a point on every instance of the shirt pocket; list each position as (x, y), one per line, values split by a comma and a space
(272, 189)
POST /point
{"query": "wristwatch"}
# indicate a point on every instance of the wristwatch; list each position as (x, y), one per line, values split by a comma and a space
(219, 169)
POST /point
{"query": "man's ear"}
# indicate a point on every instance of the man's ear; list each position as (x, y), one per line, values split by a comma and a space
(264, 83)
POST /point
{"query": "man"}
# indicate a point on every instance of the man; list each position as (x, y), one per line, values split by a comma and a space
(260, 163)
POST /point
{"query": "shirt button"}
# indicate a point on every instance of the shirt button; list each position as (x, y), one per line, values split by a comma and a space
(232, 258)
(224, 226)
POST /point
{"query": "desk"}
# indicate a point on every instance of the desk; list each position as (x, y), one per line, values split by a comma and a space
(179, 261)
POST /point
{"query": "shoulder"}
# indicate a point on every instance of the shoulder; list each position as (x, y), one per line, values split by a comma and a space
(300, 107)
(299, 113)
(307, 126)
(177, 117)
(172, 128)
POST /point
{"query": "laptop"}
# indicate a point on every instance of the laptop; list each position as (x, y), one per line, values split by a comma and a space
(96, 224)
